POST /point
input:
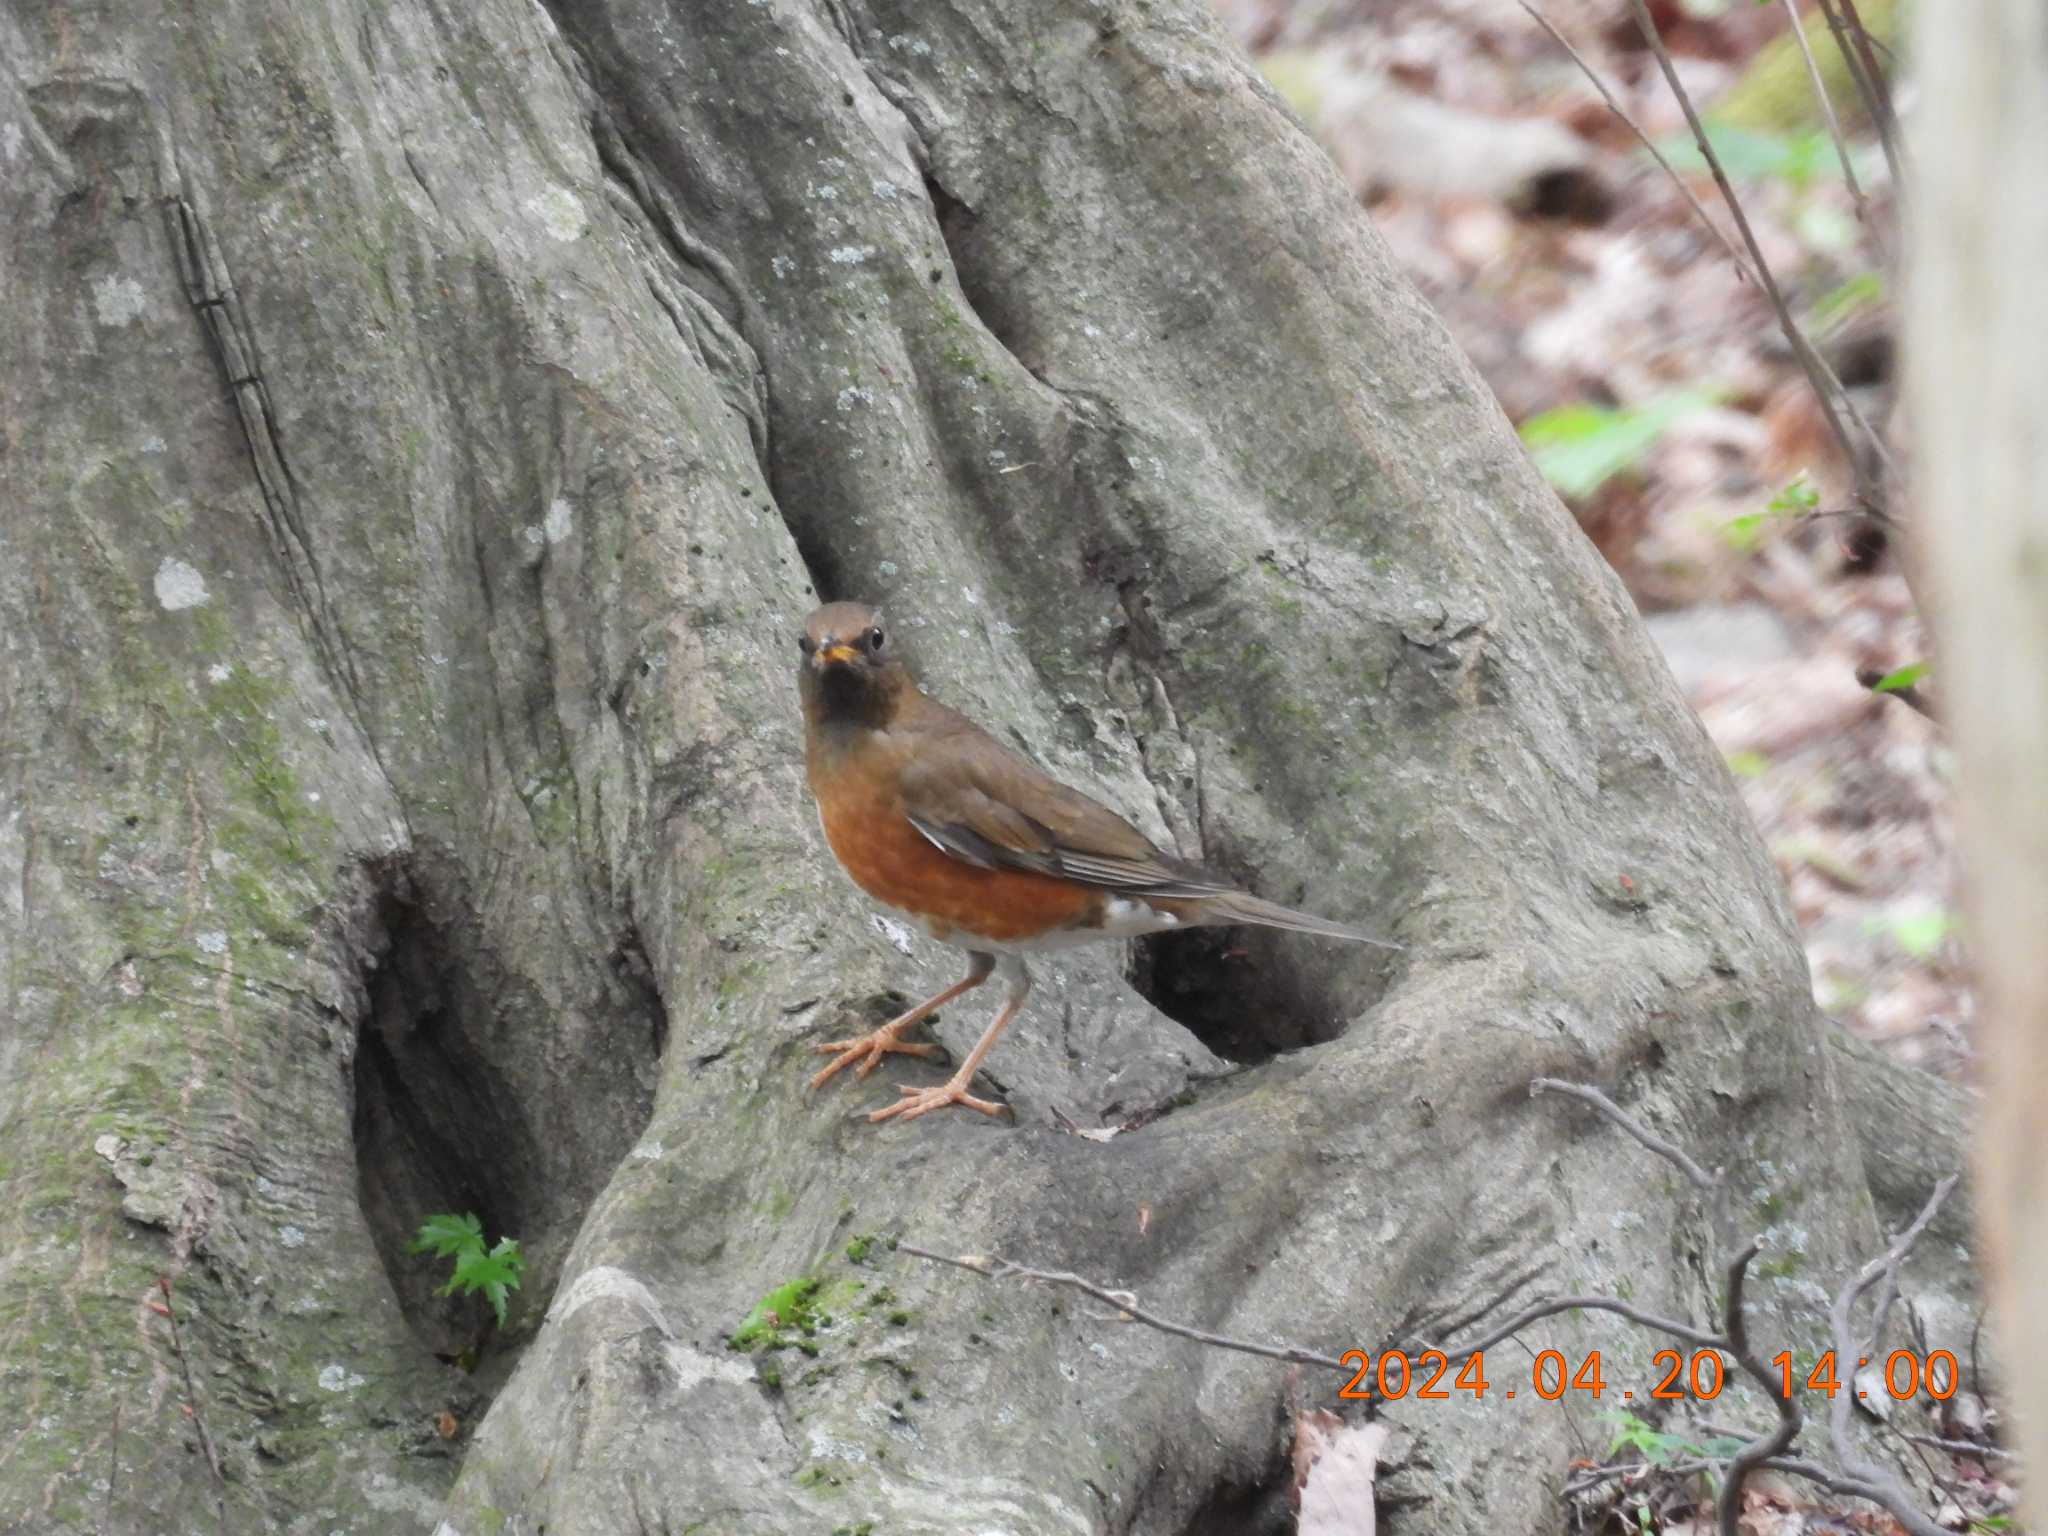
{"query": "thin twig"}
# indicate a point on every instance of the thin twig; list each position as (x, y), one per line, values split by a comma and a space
(1827, 109)
(1728, 1507)
(1884, 1489)
(113, 1462)
(1869, 76)
(1448, 1323)
(1621, 1117)
(1742, 267)
(163, 1284)
(1958, 1447)
(1976, 1370)
(1885, 1494)
(995, 1267)
(1792, 1466)
(1595, 1476)
(1827, 387)
(1559, 1304)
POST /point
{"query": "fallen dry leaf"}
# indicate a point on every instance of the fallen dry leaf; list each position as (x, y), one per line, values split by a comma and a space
(1334, 1467)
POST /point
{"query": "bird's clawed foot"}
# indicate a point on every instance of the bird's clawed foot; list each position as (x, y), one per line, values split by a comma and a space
(865, 1053)
(922, 1101)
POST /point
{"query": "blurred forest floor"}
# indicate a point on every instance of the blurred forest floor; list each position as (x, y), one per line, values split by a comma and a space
(1660, 397)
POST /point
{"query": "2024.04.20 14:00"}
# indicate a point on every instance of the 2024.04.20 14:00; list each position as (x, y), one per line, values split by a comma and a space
(1396, 1374)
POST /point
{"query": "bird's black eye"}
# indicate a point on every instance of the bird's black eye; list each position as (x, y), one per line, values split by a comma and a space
(806, 644)
(873, 638)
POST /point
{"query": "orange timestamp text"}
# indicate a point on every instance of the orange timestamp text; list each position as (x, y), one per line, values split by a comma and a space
(1395, 1374)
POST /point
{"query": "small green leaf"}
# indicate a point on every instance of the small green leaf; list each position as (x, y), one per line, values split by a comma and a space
(496, 1274)
(1581, 446)
(1741, 533)
(1748, 155)
(1917, 931)
(1745, 764)
(1794, 500)
(1901, 679)
(447, 1235)
(1797, 496)
(461, 1238)
(1846, 299)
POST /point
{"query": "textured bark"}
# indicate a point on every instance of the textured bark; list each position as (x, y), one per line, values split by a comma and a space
(1979, 383)
(425, 428)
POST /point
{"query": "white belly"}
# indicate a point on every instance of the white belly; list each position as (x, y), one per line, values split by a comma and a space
(1122, 918)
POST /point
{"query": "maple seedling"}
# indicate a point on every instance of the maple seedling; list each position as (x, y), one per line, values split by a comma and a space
(496, 1271)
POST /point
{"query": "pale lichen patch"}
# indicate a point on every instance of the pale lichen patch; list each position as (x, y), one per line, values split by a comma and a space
(179, 585)
(560, 213)
(893, 931)
(118, 300)
(560, 520)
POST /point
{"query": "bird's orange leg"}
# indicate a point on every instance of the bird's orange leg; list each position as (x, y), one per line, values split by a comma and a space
(865, 1052)
(922, 1101)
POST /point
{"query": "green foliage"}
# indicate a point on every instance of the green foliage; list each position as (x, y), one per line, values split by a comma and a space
(496, 1272)
(861, 1247)
(786, 1316)
(1796, 499)
(1660, 1449)
(1745, 764)
(1901, 679)
(1844, 301)
(1581, 446)
(1796, 159)
(1917, 931)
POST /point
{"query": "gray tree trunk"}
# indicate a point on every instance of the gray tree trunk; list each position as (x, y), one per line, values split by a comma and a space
(425, 427)
(1980, 394)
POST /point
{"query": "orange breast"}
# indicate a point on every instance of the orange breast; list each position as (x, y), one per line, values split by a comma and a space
(894, 863)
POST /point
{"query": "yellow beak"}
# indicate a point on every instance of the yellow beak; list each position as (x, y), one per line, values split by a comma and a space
(838, 650)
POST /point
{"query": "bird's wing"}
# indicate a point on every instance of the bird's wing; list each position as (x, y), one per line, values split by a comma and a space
(975, 799)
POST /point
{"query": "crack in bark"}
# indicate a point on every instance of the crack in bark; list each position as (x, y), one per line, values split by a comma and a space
(210, 290)
(730, 345)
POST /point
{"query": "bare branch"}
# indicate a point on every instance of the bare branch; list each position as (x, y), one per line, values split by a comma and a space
(1883, 1493)
(1448, 1322)
(1595, 1476)
(113, 1462)
(1958, 1447)
(1883, 1489)
(1869, 76)
(1621, 1117)
(1827, 108)
(1559, 1304)
(995, 1267)
(1856, 1479)
(167, 1309)
(1741, 265)
(1728, 1507)
(1827, 387)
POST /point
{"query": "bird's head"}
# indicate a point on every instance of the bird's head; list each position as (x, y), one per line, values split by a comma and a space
(849, 675)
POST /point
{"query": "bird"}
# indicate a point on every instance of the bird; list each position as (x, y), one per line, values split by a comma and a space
(941, 824)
